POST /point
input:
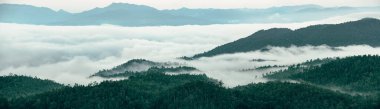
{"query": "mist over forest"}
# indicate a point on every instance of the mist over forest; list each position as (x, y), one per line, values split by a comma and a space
(126, 55)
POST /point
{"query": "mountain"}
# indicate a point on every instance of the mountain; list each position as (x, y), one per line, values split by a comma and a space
(284, 14)
(354, 74)
(125, 14)
(142, 66)
(364, 31)
(14, 86)
(26, 14)
(128, 15)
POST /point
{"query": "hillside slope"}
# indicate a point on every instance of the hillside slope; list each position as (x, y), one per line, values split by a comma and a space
(21, 86)
(159, 91)
(356, 73)
(364, 31)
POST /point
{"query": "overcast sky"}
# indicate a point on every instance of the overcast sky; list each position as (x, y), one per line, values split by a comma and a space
(82, 5)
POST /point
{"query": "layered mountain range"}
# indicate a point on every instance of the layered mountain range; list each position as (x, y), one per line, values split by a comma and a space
(125, 14)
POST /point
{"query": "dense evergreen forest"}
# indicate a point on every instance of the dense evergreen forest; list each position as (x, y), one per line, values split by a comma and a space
(157, 90)
(364, 31)
(175, 70)
(355, 73)
(136, 66)
(294, 69)
(14, 86)
(133, 65)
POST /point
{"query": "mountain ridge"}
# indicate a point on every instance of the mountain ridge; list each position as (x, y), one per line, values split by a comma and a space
(358, 32)
(143, 66)
(124, 14)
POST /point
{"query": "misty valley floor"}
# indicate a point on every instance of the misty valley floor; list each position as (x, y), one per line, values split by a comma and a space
(155, 89)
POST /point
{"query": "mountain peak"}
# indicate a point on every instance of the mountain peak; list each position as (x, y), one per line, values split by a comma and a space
(128, 6)
(369, 19)
(272, 31)
(120, 4)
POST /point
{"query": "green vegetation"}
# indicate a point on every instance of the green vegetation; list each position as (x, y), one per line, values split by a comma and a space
(363, 31)
(172, 69)
(138, 91)
(278, 95)
(356, 73)
(152, 69)
(14, 86)
(265, 67)
(196, 95)
(271, 95)
(142, 66)
(294, 69)
(156, 90)
(131, 66)
(159, 91)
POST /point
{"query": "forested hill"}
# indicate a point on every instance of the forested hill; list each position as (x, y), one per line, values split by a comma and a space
(14, 86)
(138, 66)
(156, 90)
(134, 65)
(159, 91)
(356, 73)
(364, 31)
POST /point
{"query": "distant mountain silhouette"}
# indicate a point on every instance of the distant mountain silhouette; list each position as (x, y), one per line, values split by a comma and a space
(125, 14)
(27, 14)
(364, 31)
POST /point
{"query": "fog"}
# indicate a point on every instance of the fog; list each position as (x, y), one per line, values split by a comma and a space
(69, 54)
(228, 67)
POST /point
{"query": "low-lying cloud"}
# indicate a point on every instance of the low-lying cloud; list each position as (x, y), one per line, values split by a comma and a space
(69, 54)
(228, 67)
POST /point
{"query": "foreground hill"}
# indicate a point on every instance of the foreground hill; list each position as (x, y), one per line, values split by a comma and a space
(364, 31)
(160, 91)
(157, 90)
(139, 91)
(356, 73)
(20, 86)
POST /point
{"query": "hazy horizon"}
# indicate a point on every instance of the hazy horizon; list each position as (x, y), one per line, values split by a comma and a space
(80, 6)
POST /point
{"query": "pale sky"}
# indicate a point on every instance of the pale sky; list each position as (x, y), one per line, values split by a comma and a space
(82, 5)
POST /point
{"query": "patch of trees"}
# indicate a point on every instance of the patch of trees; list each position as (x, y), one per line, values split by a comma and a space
(358, 73)
(137, 66)
(14, 86)
(355, 73)
(297, 68)
(160, 69)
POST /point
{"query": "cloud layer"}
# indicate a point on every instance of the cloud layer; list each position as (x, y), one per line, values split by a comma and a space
(69, 54)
